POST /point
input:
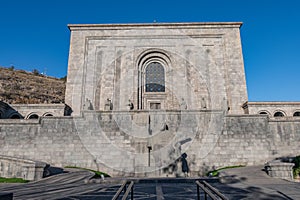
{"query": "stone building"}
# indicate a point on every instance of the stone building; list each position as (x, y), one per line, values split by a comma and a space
(142, 95)
(157, 66)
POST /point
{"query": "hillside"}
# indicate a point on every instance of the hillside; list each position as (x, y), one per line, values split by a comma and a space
(21, 87)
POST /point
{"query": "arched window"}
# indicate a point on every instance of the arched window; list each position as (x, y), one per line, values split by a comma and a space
(48, 115)
(155, 77)
(263, 113)
(33, 116)
(15, 116)
(296, 114)
(278, 114)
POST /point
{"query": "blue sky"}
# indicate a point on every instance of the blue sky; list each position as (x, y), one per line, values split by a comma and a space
(34, 34)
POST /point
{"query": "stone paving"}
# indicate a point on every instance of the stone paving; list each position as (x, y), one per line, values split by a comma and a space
(254, 183)
(238, 183)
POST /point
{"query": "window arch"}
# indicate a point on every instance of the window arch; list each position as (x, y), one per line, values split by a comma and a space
(155, 77)
(278, 114)
(263, 112)
(48, 114)
(296, 114)
(33, 116)
(153, 66)
(15, 116)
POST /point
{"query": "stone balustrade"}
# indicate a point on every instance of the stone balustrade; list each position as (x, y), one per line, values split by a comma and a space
(11, 167)
(278, 169)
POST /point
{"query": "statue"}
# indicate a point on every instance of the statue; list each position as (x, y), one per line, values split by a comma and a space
(203, 103)
(87, 105)
(225, 105)
(108, 104)
(130, 105)
(183, 105)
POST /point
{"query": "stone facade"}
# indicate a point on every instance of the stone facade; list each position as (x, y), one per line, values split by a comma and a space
(144, 94)
(288, 109)
(202, 66)
(28, 111)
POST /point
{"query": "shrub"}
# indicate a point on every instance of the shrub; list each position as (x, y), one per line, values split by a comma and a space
(296, 168)
(297, 161)
(215, 173)
(35, 72)
(11, 68)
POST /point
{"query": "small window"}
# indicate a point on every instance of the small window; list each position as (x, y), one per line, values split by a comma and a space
(48, 115)
(296, 114)
(33, 116)
(278, 114)
(15, 116)
(263, 113)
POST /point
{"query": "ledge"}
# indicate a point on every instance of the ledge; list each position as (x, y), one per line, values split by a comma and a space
(270, 103)
(153, 25)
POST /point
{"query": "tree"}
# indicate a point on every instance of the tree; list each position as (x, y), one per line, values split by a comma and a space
(11, 68)
(64, 78)
(36, 72)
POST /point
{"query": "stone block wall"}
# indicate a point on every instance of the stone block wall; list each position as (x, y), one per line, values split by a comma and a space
(278, 169)
(12, 167)
(26, 110)
(117, 142)
(288, 109)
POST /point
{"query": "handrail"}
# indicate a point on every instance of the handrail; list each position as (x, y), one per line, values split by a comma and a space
(116, 196)
(123, 187)
(222, 196)
(209, 190)
(129, 189)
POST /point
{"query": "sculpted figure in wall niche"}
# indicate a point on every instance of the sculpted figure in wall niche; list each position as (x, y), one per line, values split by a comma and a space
(130, 105)
(88, 105)
(225, 105)
(183, 105)
(108, 105)
(203, 103)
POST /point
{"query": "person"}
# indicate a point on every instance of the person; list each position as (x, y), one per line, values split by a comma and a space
(185, 167)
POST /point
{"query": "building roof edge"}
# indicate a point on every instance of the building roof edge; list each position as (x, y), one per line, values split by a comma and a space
(137, 25)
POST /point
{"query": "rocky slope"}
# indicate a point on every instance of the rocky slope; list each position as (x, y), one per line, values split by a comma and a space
(21, 87)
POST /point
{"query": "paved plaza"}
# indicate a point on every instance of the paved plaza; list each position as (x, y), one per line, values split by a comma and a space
(238, 183)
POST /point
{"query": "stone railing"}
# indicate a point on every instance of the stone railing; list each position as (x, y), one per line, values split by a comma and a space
(11, 167)
(278, 169)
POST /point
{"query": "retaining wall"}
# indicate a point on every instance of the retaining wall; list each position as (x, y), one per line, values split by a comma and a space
(117, 142)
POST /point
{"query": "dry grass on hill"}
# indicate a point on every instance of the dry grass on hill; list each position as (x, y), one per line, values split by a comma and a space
(21, 87)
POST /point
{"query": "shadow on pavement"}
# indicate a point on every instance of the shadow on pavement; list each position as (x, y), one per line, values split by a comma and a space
(232, 186)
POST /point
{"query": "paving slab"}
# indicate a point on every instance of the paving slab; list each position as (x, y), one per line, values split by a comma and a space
(238, 183)
(253, 183)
